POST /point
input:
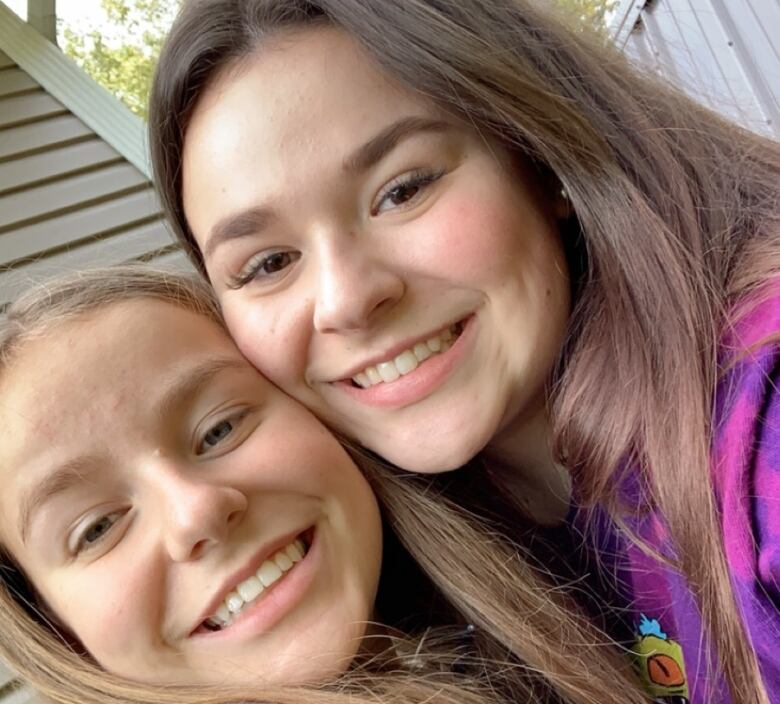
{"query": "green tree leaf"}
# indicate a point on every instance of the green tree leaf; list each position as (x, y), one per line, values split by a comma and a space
(121, 54)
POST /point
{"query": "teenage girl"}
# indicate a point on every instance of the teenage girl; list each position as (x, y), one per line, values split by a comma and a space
(173, 528)
(457, 229)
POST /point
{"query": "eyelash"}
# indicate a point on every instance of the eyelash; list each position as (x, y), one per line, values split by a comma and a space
(419, 178)
(254, 266)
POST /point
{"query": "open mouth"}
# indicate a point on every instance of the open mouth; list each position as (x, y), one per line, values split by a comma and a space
(406, 362)
(253, 589)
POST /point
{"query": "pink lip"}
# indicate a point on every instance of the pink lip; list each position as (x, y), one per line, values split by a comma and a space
(417, 384)
(274, 604)
(244, 573)
(393, 352)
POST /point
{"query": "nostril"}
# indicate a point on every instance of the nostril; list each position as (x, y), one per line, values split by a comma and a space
(199, 548)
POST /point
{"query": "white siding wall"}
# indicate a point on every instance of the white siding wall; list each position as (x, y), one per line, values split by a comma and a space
(724, 52)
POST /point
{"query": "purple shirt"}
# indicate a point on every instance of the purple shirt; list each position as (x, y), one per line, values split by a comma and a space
(746, 476)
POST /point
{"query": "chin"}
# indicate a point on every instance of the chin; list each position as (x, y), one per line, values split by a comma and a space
(435, 458)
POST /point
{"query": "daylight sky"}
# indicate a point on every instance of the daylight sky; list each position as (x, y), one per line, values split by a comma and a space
(72, 11)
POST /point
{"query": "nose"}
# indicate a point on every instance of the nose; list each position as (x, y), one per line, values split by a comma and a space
(194, 514)
(352, 287)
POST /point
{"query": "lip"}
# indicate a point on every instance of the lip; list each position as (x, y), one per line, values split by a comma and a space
(230, 583)
(418, 384)
(392, 352)
(281, 598)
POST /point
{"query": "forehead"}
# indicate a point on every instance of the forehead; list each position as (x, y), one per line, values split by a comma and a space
(83, 372)
(306, 94)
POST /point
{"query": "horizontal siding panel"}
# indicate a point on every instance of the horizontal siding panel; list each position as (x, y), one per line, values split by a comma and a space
(13, 81)
(108, 251)
(91, 221)
(40, 135)
(24, 108)
(37, 203)
(54, 163)
(6, 61)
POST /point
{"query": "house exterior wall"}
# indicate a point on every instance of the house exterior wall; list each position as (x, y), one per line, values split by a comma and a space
(75, 181)
(723, 52)
(68, 200)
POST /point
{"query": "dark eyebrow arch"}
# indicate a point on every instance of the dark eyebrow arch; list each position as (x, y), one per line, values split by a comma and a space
(186, 384)
(373, 151)
(242, 224)
(251, 220)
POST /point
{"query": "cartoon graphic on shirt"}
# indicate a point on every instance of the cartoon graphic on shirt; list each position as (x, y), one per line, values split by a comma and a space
(661, 664)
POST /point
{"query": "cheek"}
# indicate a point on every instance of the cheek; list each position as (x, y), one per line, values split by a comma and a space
(273, 335)
(469, 238)
(109, 614)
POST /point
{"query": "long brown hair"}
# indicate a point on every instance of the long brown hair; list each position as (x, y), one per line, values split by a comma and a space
(676, 218)
(446, 569)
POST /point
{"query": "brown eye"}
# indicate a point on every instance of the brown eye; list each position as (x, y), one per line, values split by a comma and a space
(276, 262)
(400, 194)
(265, 266)
(405, 190)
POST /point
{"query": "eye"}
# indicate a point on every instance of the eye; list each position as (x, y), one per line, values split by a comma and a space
(95, 532)
(265, 266)
(405, 189)
(218, 433)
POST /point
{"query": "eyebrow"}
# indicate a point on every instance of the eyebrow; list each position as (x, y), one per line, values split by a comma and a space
(251, 220)
(65, 476)
(186, 384)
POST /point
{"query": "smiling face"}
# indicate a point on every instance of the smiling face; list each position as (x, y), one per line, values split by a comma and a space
(187, 521)
(388, 267)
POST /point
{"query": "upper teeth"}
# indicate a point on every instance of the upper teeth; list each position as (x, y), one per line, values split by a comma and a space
(407, 361)
(250, 589)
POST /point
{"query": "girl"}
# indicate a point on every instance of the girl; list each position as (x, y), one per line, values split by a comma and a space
(456, 227)
(175, 529)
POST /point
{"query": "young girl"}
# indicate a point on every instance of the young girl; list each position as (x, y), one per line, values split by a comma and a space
(173, 528)
(453, 227)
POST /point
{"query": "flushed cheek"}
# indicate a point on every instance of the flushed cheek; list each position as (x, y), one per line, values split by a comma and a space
(467, 240)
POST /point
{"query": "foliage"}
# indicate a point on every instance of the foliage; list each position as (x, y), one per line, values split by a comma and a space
(122, 53)
(589, 12)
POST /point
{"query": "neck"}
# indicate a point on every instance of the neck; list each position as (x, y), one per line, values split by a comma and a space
(521, 454)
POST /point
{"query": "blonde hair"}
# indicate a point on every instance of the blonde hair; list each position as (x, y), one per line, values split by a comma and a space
(676, 219)
(528, 641)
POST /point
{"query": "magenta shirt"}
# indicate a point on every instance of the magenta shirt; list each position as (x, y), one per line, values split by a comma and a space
(746, 475)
